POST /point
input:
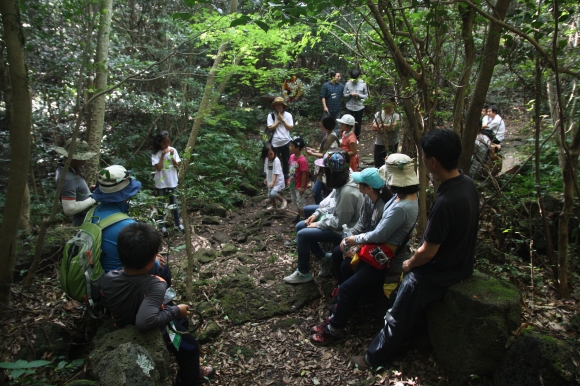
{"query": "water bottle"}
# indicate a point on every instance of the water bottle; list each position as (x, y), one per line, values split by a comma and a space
(169, 295)
(346, 231)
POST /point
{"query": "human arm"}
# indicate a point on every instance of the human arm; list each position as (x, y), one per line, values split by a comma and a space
(272, 121)
(71, 206)
(273, 183)
(422, 256)
(303, 167)
(286, 119)
(364, 217)
(324, 94)
(391, 221)
(313, 153)
(347, 204)
(152, 312)
(353, 149)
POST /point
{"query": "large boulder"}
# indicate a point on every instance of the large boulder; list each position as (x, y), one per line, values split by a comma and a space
(470, 326)
(536, 359)
(129, 357)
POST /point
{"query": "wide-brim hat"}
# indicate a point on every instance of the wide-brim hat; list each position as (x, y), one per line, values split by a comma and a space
(347, 119)
(400, 170)
(369, 176)
(115, 185)
(278, 101)
(81, 153)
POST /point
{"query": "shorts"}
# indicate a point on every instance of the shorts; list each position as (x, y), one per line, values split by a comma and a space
(298, 198)
(272, 194)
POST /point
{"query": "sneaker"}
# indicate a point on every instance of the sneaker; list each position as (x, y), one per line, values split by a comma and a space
(296, 219)
(325, 337)
(320, 326)
(270, 207)
(298, 278)
(360, 362)
(325, 266)
(291, 243)
(205, 372)
(284, 204)
(180, 228)
(164, 232)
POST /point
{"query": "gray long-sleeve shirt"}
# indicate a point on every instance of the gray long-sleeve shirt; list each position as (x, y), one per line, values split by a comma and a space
(356, 103)
(137, 300)
(370, 215)
(346, 210)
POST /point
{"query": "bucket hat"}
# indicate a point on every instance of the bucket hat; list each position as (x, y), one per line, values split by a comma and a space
(369, 176)
(347, 119)
(81, 153)
(115, 185)
(400, 170)
(278, 101)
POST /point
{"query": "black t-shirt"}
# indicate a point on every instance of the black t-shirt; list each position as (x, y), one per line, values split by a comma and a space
(453, 224)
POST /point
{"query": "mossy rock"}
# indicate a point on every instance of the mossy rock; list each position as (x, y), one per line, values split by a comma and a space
(214, 209)
(205, 255)
(244, 302)
(245, 259)
(537, 359)
(241, 351)
(262, 214)
(248, 189)
(229, 249)
(206, 309)
(220, 237)
(260, 198)
(238, 199)
(209, 333)
(259, 248)
(210, 220)
(470, 326)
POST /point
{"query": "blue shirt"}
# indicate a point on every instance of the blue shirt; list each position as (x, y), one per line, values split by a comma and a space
(109, 253)
(332, 93)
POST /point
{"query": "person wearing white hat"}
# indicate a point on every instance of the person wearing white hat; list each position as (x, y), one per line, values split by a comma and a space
(280, 123)
(349, 142)
(446, 254)
(379, 242)
(75, 194)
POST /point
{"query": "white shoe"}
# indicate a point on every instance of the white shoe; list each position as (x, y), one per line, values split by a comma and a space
(270, 207)
(298, 278)
(284, 205)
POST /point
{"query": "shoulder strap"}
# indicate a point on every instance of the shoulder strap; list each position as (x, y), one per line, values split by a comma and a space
(112, 219)
(90, 213)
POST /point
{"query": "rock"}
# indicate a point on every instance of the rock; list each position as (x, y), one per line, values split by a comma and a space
(262, 214)
(242, 301)
(220, 237)
(259, 199)
(237, 199)
(49, 338)
(258, 239)
(246, 259)
(54, 241)
(206, 309)
(470, 326)
(536, 359)
(209, 333)
(206, 274)
(210, 220)
(229, 249)
(129, 357)
(214, 210)
(205, 255)
(239, 237)
(248, 189)
(259, 248)
(241, 351)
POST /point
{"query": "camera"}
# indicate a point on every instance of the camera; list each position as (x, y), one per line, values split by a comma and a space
(379, 255)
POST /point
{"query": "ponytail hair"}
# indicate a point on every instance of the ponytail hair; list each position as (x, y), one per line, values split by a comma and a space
(265, 150)
(159, 137)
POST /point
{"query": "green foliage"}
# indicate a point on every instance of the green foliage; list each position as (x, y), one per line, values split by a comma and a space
(22, 367)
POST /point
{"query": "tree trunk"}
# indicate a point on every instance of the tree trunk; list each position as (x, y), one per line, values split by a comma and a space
(490, 54)
(97, 118)
(24, 222)
(20, 126)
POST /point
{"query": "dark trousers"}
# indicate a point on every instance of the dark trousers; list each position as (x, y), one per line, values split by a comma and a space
(381, 152)
(170, 193)
(358, 115)
(366, 280)
(187, 356)
(408, 304)
(319, 191)
(283, 153)
(341, 269)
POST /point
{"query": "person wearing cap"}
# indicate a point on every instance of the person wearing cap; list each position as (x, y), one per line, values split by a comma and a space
(298, 176)
(75, 195)
(114, 189)
(325, 224)
(349, 142)
(357, 92)
(389, 231)
(446, 254)
(281, 124)
(385, 125)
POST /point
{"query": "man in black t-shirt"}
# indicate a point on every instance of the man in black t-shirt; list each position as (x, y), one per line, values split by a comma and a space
(446, 255)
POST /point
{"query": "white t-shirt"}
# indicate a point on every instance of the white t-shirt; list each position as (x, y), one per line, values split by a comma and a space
(271, 168)
(393, 134)
(281, 135)
(497, 126)
(166, 177)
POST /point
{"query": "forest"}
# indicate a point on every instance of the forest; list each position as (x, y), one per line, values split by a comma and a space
(115, 73)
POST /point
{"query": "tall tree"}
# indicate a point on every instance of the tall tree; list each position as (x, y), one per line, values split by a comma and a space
(97, 119)
(20, 125)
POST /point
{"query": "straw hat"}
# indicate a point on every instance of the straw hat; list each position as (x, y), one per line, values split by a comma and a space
(81, 153)
(278, 101)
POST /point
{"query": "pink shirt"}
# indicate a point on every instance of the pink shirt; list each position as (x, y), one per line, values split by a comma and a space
(298, 165)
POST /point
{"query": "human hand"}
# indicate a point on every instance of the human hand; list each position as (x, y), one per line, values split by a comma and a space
(265, 182)
(407, 266)
(309, 220)
(272, 185)
(326, 109)
(183, 311)
(161, 260)
(349, 241)
(171, 150)
(349, 254)
(313, 225)
(302, 189)
(165, 151)
(92, 188)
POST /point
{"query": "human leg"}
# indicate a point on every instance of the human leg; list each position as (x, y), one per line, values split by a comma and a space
(317, 191)
(412, 297)
(171, 194)
(309, 210)
(187, 357)
(379, 155)
(358, 118)
(308, 241)
(160, 196)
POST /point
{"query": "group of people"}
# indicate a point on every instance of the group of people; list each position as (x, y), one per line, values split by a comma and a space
(136, 274)
(486, 157)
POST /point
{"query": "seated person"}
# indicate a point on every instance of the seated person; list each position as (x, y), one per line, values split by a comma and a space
(390, 234)
(495, 126)
(325, 225)
(136, 297)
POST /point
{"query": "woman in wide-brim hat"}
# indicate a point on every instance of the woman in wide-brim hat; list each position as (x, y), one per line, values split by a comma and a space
(75, 194)
(280, 125)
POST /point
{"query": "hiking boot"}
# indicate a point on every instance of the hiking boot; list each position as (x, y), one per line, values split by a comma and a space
(298, 278)
(180, 228)
(325, 337)
(284, 204)
(360, 362)
(334, 296)
(325, 266)
(291, 243)
(296, 219)
(320, 326)
(164, 232)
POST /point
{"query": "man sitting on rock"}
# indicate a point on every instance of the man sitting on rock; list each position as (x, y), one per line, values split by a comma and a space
(446, 255)
(136, 297)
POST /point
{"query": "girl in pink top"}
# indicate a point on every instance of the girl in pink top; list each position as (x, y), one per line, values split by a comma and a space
(349, 141)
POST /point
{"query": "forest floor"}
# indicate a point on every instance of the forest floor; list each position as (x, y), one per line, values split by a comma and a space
(276, 350)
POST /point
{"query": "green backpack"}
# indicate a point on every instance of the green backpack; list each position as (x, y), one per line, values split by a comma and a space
(80, 268)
